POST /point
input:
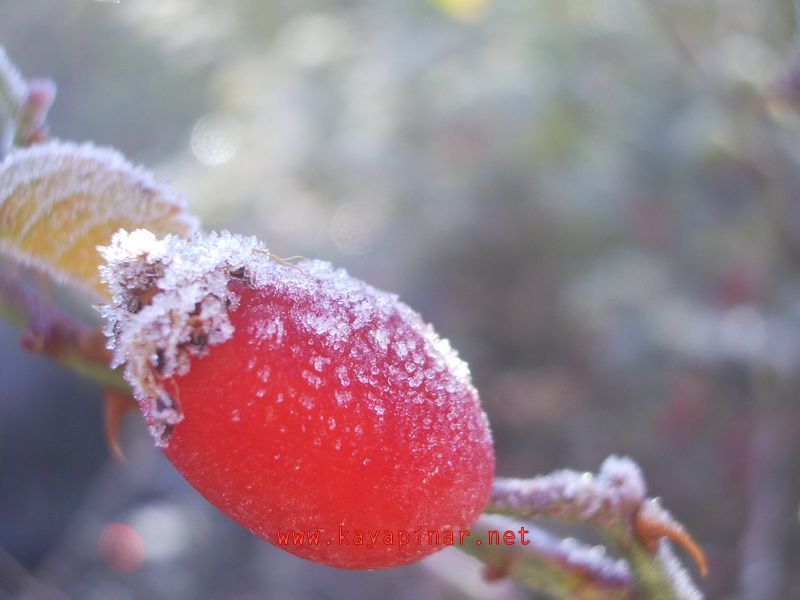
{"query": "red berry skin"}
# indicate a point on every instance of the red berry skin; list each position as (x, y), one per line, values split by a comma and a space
(338, 411)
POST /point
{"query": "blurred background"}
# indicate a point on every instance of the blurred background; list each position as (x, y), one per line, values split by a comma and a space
(598, 203)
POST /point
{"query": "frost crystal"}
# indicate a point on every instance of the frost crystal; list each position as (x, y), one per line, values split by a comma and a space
(608, 498)
(170, 301)
(683, 586)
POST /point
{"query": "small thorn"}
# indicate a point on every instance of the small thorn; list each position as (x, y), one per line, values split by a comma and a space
(117, 406)
(652, 523)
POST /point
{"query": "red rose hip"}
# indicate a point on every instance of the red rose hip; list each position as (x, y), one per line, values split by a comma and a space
(316, 411)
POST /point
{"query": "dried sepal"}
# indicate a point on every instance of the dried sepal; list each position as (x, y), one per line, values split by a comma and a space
(170, 302)
(117, 405)
(59, 201)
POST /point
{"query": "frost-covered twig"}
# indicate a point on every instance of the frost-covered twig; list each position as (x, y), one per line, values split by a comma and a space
(564, 568)
(614, 502)
(607, 501)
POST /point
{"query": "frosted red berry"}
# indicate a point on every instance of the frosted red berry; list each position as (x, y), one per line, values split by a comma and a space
(300, 400)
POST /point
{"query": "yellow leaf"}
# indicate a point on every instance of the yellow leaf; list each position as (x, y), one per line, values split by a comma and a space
(463, 10)
(59, 201)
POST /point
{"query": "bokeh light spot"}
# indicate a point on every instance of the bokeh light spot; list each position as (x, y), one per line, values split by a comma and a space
(464, 10)
(215, 139)
(165, 530)
(121, 548)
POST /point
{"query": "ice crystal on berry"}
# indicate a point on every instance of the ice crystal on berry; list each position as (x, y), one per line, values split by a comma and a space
(170, 301)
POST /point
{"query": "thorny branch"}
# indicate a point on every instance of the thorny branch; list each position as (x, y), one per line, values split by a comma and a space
(608, 501)
(614, 502)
